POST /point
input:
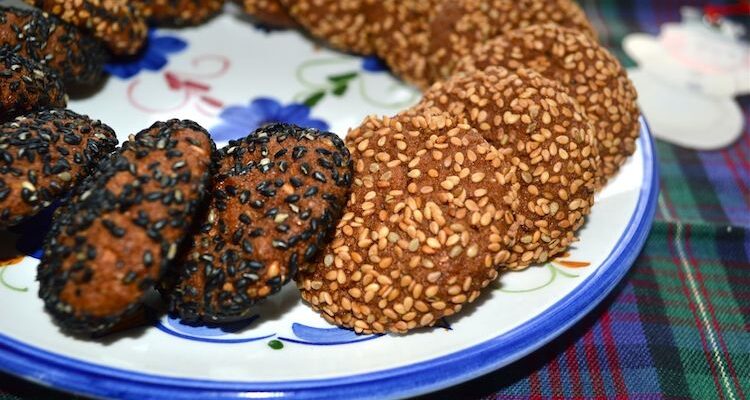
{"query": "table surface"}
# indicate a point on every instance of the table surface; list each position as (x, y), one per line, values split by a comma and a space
(679, 325)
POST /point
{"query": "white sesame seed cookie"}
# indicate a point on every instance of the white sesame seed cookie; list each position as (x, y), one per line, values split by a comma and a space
(344, 24)
(549, 142)
(589, 72)
(422, 231)
(459, 25)
(401, 37)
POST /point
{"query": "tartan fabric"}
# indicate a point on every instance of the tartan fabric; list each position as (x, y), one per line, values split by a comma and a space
(678, 326)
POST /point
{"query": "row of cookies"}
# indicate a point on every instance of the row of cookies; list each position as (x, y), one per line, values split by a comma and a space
(213, 230)
(425, 42)
(493, 170)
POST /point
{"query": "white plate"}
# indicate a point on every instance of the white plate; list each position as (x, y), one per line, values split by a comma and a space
(230, 76)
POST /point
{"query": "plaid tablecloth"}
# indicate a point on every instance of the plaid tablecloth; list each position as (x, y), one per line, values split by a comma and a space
(679, 325)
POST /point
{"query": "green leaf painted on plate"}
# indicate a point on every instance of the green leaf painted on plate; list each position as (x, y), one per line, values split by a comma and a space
(339, 90)
(342, 78)
(315, 98)
(276, 344)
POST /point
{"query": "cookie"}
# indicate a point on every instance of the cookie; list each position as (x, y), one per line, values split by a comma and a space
(459, 25)
(43, 155)
(49, 41)
(592, 75)
(344, 24)
(423, 228)
(178, 12)
(269, 12)
(117, 23)
(26, 86)
(122, 229)
(401, 38)
(549, 142)
(278, 194)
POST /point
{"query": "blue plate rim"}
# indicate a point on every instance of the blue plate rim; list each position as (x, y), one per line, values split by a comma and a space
(82, 377)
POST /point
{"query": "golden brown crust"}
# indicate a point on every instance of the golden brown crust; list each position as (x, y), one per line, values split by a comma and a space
(460, 25)
(117, 23)
(549, 142)
(591, 75)
(422, 228)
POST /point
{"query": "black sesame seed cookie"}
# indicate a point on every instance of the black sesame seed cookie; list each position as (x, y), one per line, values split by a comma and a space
(178, 12)
(123, 227)
(426, 223)
(591, 74)
(549, 144)
(47, 40)
(43, 155)
(278, 194)
(460, 25)
(117, 23)
(269, 12)
(26, 86)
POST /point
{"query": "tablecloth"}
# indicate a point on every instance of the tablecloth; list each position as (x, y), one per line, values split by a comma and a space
(678, 326)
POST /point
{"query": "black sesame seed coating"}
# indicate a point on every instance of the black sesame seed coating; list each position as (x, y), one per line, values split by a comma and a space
(178, 12)
(47, 40)
(26, 86)
(88, 291)
(43, 155)
(261, 229)
(117, 23)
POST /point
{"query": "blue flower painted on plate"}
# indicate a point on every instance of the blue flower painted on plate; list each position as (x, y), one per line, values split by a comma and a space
(226, 333)
(31, 232)
(152, 58)
(325, 336)
(374, 64)
(239, 121)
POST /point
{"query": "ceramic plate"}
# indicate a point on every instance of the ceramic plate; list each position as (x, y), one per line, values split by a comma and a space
(231, 76)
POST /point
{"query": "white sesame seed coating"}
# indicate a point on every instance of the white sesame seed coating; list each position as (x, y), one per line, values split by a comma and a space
(549, 142)
(415, 242)
(589, 72)
(344, 24)
(459, 25)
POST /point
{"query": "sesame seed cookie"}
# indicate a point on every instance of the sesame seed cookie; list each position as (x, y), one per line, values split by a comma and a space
(278, 194)
(121, 230)
(117, 23)
(425, 225)
(270, 12)
(549, 142)
(459, 25)
(43, 155)
(26, 86)
(47, 40)
(178, 12)
(591, 74)
(401, 38)
(344, 24)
